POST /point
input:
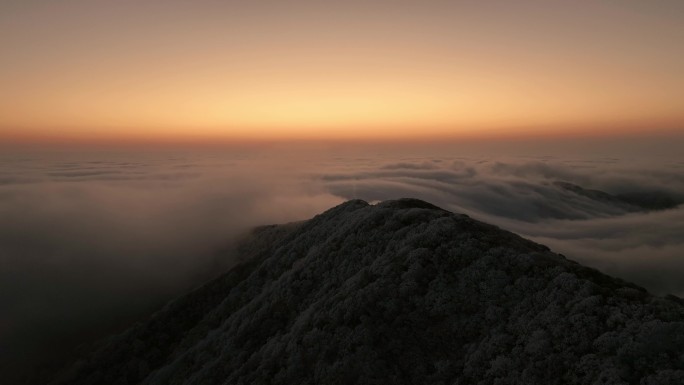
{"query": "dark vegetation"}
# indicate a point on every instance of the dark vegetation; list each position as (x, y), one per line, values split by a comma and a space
(400, 292)
(632, 201)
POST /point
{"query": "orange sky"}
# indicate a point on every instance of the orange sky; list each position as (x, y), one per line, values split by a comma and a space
(183, 70)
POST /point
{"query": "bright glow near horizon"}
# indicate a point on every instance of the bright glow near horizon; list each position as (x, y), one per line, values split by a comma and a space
(174, 70)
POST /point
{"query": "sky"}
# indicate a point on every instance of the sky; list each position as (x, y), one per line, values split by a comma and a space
(165, 71)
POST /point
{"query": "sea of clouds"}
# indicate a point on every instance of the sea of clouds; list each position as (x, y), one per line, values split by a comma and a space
(91, 241)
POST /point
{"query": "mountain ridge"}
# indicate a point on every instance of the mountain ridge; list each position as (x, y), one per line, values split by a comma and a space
(399, 292)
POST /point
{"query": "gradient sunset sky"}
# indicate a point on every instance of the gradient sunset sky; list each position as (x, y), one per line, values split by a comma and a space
(95, 70)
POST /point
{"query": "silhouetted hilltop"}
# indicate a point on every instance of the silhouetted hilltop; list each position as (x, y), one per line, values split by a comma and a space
(634, 201)
(399, 292)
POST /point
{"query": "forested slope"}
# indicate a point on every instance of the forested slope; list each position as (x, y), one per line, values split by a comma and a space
(399, 292)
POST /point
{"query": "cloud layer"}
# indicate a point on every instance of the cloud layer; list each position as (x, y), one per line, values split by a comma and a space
(524, 196)
(91, 241)
(88, 246)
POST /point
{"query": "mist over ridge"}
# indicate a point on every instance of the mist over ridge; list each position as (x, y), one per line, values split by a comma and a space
(400, 292)
(317, 192)
(93, 240)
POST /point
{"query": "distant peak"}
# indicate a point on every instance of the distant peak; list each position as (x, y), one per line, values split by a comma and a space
(353, 204)
(408, 203)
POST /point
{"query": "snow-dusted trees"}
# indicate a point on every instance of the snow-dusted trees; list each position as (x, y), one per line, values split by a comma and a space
(400, 292)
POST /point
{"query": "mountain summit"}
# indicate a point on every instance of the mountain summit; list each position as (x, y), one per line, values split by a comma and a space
(399, 292)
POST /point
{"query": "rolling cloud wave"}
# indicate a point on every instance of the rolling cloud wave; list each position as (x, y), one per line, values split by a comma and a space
(88, 244)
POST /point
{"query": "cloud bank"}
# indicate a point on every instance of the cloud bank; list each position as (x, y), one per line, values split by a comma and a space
(89, 242)
(607, 225)
(89, 246)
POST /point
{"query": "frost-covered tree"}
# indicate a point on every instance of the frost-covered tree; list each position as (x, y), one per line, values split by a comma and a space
(400, 292)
